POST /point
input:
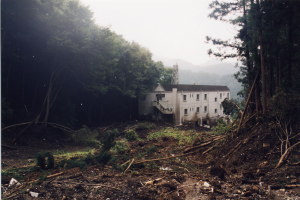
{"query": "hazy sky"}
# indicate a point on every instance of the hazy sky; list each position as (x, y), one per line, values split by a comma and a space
(173, 29)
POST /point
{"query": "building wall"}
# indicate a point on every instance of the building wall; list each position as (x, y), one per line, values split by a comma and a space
(175, 100)
(212, 103)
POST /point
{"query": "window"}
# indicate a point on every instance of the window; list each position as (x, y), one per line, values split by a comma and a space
(198, 109)
(198, 97)
(228, 95)
(220, 106)
(205, 109)
(205, 96)
(184, 97)
(185, 111)
(216, 110)
(216, 99)
(220, 95)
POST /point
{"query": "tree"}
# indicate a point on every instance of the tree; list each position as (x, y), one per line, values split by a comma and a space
(267, 44)
(59, 66)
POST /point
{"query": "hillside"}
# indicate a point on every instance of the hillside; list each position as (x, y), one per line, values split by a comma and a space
(212, 73)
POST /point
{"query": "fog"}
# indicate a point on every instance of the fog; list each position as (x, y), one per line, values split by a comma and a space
(169, 29)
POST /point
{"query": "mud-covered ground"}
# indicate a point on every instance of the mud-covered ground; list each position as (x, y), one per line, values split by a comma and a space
(185, 173)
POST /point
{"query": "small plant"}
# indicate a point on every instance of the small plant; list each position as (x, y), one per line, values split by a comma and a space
(108, 139)
(120, 147)
(45, 160)
(221, 128)
(131, 135)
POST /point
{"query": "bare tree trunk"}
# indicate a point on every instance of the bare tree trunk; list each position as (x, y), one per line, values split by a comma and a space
(262, 61)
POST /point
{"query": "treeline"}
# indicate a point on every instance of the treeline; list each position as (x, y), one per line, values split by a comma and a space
(59, 66)
(268, 45)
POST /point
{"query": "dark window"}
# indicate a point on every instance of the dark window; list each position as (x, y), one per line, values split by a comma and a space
(185, 111)
(216, 99)
(198, 97)
(205, 96)
(220, 95)
(184, 97)
(220, 106)
(216, 110)
(205, 109)
(198, 109)
(159, 96)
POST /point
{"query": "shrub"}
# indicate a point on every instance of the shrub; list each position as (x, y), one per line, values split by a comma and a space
(120, 147)
(108, 139)
(45, 160)
(131, 135)
(221, 127)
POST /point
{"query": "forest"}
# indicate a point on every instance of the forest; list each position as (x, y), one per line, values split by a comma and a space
(69, 100)
(59, 66)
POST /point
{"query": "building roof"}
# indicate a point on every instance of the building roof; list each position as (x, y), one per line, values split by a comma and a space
(193, 88)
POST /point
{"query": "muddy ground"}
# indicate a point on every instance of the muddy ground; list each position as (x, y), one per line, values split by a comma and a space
(181, 171)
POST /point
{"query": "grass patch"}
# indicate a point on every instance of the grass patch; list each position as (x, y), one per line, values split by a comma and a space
(63, 155)
(144, 126)
(183, 137)
(86, 137)
(68, 164)
(18, 173)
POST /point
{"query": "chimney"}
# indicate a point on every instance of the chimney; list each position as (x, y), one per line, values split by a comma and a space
(175, 77)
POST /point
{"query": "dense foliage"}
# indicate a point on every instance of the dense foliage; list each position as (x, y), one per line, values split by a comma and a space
(59, 66)
(268, 46)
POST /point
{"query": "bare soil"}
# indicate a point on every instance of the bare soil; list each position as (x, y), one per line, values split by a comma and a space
(247, 173)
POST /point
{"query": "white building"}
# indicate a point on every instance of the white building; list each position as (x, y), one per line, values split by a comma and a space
(185, 102)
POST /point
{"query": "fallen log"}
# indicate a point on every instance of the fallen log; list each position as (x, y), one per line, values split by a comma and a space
(88, 184)
(164, 158)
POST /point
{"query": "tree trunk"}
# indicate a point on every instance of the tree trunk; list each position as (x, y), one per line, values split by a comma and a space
(263, 70)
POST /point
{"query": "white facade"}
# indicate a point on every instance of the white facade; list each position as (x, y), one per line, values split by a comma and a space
(195, 103)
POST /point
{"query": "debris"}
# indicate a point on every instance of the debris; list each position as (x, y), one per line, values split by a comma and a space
(165, 168)
(34, 194)
(151, 182)
(13, 182)
(206, 184)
